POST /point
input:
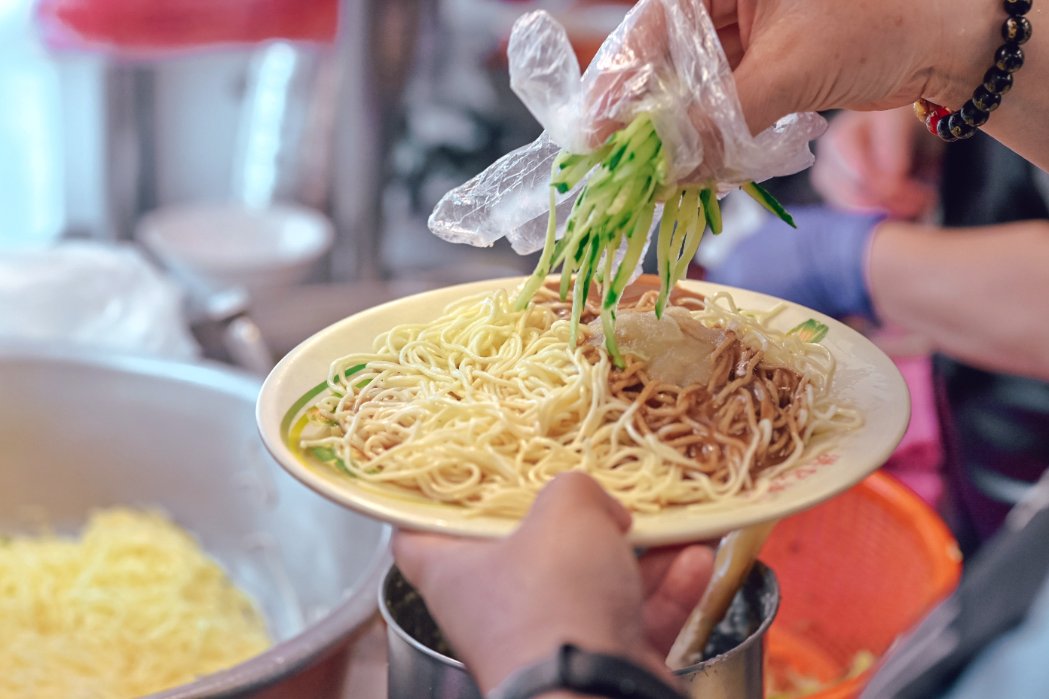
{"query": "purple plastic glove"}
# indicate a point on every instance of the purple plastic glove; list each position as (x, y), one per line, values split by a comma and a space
(819, 265)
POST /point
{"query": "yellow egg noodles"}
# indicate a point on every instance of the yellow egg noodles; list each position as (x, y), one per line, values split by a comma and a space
(132, 607)
(486, 403)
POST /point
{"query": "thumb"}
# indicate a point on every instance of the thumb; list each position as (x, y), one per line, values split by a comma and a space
(764, 94)
(419, 553)
(576, 496)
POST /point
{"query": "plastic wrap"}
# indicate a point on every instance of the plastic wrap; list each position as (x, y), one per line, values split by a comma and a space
(665, 59)
(92, 295)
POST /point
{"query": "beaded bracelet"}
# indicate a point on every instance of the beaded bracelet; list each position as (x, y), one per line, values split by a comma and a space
(1009, 58)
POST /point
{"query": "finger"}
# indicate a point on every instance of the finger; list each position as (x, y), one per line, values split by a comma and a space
(732, 43)
(867, 161)
(722, 12)
(657, 562)
(654, 566)
(841, 187)
(678, 592)
(908, 199)
(647, 36)
(416, 553)
(573, 495)
(676, 572)
(614, 77)
(899, 193)
(893, 149)
(845, 174)
(850, 147)
(764, 94)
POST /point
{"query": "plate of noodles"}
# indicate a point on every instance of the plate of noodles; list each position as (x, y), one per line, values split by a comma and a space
(447, 411)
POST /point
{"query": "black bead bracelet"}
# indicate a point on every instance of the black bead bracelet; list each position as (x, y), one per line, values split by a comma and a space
(998, 80)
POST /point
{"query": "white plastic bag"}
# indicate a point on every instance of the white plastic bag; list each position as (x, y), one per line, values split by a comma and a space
(95, 296)
(664, 59)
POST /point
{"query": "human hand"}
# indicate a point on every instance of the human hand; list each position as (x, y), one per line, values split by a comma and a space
(821, 265)
(567, 574)
(666, 60)
(814, 55)
(782, 58)
(879, 161)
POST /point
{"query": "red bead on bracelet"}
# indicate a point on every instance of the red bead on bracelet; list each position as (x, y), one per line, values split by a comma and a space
(930, 114)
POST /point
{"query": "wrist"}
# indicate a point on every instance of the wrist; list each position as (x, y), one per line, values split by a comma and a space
(965, 49)
(570, 671)
(497, 661)
(890, 266)
(834, 253)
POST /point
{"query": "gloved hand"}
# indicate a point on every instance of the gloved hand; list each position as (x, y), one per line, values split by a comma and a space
(820, 265)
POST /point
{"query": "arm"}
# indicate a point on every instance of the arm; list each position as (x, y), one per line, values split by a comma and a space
(978, 294)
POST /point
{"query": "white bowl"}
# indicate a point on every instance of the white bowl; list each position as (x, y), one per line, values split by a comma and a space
(224, 245)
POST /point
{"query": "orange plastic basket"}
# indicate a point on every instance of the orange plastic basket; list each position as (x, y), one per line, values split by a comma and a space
(855, 572)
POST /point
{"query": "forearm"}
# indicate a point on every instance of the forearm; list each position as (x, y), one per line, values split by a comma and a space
(977, 294)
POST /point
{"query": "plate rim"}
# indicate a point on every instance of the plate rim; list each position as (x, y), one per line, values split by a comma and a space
(729, 516)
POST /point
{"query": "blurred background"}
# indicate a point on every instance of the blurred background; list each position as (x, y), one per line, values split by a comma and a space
(273, 160)
(203, 179)
(217, 180)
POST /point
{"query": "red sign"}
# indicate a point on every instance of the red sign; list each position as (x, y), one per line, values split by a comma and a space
(158, 26)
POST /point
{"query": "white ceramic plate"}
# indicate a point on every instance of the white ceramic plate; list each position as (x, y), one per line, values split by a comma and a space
(866, 379)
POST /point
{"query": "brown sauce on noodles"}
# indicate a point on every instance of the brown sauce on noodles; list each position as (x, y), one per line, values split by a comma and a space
(703, 420)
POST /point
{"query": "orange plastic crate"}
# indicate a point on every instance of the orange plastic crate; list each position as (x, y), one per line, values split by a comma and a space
(855, 573)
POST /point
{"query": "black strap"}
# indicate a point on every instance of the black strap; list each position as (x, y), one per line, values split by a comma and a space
(590, 674)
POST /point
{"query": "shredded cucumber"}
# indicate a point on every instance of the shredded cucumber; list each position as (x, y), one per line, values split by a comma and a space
(762, 196)
(810, 330)
(613, 213)
(713, 210)
(328, 456)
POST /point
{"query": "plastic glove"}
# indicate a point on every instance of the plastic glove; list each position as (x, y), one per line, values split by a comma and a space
(664, 60)
(820, 265)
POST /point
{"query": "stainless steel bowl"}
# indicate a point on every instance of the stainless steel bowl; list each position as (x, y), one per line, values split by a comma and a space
(80, 431)
(421, 665)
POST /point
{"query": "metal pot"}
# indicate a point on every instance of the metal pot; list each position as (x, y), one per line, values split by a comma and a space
(421, 666)
(81, 431)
